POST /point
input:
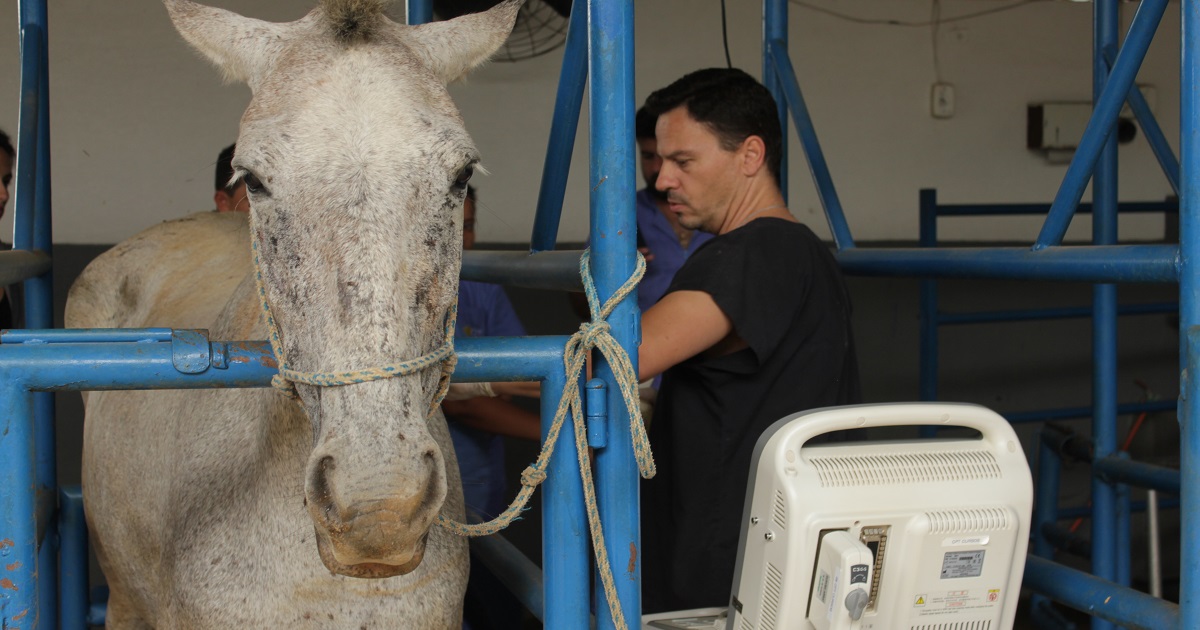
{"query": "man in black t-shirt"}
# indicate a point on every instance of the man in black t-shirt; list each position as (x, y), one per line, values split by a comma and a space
(754, 327)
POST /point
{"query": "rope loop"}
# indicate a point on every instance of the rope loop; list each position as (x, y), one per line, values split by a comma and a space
(595, 334)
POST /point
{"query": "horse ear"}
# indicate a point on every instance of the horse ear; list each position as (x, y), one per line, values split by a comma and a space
(453, 47)
(241, 47)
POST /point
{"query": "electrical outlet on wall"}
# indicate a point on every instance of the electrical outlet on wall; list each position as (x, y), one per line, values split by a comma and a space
(941, 100)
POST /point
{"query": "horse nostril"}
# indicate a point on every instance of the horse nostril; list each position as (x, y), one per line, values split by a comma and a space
(320, 479)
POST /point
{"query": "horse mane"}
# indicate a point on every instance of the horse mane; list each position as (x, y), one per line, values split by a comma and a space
(351, 20)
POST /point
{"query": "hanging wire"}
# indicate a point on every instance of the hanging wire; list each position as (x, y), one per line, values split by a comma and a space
(725, 35)
(935, 16)
(893, 22)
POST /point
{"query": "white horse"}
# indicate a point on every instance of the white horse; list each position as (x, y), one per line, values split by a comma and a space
(244, 508)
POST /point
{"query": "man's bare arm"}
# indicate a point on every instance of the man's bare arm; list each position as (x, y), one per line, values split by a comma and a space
(682, 325)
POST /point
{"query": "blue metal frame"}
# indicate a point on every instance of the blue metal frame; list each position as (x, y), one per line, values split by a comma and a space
(28, 367)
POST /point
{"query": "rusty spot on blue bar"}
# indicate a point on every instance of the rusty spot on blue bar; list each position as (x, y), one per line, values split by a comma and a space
(7, 584)
(13, 567)
(632, 558)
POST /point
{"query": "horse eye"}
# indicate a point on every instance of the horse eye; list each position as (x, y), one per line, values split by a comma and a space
(253, 184)
(464, 176)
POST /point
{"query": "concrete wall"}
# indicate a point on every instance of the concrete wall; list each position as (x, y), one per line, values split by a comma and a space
(139, 118)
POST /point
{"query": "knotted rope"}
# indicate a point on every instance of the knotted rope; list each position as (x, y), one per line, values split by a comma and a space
(593, 334)
(285, 380)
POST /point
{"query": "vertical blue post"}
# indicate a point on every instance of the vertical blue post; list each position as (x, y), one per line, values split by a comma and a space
(73, 559)
(19, 605)
(1045, 513)
(775, 30)
(418, 11)
(571, 81)
(1104, 316)
(1189, 314)
(614, 245)
(35, 233)
(566, 554)
(1124, 534)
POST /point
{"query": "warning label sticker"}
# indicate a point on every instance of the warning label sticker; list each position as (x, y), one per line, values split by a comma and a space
(948, 602)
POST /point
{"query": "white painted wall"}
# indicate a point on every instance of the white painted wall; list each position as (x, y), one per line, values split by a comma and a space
(138, 118)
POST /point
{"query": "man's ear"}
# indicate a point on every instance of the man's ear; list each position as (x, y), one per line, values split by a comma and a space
(753, 155)
(221, 198)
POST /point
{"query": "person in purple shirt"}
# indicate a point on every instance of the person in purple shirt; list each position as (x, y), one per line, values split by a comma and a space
(477, 427)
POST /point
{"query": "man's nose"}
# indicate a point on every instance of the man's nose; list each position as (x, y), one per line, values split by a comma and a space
(665, 179)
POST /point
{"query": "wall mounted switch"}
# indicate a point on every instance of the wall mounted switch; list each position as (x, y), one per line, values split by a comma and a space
(941, 101)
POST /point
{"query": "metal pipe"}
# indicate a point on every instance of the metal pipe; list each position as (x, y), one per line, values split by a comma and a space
(1154, 135)
(72, 559)
(565, 543)
(1153, 549)
(557, 271)
(775, 33)
(418, 11)
(614, 247)
(812, 147)
(513, 569)
(1113, 263)
(1117, 469)
(572, 79)
(1045, 511)
(19, 592)
(929, 301)
(1099, 597)
(1104, 115)
(1013, 209)
(1038, 314)
(1189, 313)
(27, 131)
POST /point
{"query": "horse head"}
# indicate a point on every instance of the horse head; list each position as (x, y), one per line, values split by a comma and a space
(356, 163)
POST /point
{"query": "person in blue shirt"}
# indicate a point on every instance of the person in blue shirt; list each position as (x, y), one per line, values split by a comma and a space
(477, 426)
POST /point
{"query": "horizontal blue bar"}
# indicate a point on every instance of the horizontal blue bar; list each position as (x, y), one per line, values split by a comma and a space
(132, 365)
(1140, 474)
(85, 335)
(1099, 597)
(1066, 413)
(1083, 511)
(1108, 263)
(555, 270)
(988, 209)
(1040, 314)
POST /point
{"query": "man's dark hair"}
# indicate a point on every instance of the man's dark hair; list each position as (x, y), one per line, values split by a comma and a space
(644, 122)
(731, 103)
(225, 169)
(6, 146)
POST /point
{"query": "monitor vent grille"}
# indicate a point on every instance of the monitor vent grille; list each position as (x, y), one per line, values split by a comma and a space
(984, 624)
(975, 520)
(904, 468)
(772, 592)
(780, 510)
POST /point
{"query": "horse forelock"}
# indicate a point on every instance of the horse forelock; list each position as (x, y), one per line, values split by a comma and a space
(352, 20)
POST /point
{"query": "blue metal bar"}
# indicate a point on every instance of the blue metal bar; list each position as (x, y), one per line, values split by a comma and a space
(1124, 534)
(1065, 413)
(775, 33)
(27, 132)
(1045, 513)
(1113, 263)
(1119, 468)
(82, 335)
(565, 542)
(72, 559)
(513, 569)
(614, 245)
(1105, 517)
(947, 319)
(1154, 135)
(569, 99)
(19, 592)
(1099, 597)
(991, 209)
(1104, 116)
(812, 147)
(558, 271)
(1134, 506)
(1189, 314)
(419, 11)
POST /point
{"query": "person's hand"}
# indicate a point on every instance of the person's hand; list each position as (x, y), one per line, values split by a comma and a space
(646, 253)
